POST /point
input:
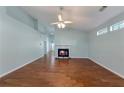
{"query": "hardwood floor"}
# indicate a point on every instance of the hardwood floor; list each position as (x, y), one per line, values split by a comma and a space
(47, 72)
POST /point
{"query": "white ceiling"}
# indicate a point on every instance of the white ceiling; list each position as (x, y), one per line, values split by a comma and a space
(84, 18)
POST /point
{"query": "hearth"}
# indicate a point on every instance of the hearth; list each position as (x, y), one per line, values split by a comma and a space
(63, 52)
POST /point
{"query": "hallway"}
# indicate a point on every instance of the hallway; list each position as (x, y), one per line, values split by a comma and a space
(47, 72)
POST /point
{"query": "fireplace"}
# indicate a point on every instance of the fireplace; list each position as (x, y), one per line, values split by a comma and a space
(63, 52)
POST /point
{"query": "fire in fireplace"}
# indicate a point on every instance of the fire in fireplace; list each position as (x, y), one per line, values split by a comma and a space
(63, 52)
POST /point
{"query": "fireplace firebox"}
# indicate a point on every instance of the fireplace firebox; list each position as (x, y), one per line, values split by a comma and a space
(63, 52)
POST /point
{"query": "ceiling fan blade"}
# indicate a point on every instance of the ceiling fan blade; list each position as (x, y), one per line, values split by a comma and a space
(67, 22)
(60, 17)
(54, 23)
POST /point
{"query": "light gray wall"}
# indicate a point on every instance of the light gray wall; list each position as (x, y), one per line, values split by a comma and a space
(108, 49)
(19, 42)
(20, 15)
(76, 41)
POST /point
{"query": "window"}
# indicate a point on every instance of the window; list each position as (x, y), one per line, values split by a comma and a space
(102, 31)
(121, 24)
(117, 26)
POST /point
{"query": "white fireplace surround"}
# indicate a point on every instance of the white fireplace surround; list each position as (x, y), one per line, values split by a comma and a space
(75, 41)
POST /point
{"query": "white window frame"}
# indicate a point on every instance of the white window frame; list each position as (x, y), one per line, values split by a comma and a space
(102, 31)
(117, 26)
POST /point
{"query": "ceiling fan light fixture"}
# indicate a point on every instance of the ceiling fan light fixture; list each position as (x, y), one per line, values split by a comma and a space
(61, 25)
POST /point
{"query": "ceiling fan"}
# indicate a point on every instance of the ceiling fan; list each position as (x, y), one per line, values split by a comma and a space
(61, 23)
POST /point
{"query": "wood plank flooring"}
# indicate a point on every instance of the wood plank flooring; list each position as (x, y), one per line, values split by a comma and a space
(48, 72)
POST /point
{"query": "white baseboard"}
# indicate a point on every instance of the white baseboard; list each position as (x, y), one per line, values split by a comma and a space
(107, 68)
(14, 69)
(80, 57)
